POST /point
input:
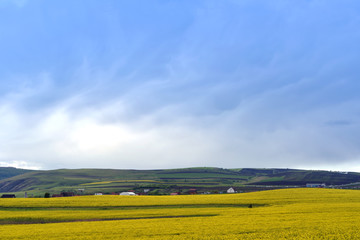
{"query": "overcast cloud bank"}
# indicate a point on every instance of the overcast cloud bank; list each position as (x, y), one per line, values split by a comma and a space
(168, 84)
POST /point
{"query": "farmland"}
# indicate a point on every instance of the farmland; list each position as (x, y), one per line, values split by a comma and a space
(164, 181)
(275, 214)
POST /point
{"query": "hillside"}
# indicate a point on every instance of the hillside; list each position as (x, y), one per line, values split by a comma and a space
(169, 180)
(7, 172)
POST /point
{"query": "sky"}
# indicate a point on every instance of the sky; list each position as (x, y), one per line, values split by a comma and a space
(150, 84)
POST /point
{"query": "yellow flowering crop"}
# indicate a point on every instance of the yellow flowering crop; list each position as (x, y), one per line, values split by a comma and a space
(277, 214)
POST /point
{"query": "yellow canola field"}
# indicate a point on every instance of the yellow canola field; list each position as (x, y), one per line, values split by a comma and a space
(119, 201)
(286, 214)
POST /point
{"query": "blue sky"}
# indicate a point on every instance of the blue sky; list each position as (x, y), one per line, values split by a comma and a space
(167, 84)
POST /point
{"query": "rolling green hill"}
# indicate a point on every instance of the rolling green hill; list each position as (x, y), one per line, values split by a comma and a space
(88, 181)
(7, 172)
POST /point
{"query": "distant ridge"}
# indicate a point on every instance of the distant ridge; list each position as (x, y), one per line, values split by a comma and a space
(205, 179)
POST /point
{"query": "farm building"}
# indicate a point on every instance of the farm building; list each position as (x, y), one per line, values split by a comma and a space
(127, 194)
(67, 194)
(8, 196)
(230, 190)
(98, 194)
(64, 194)
(192, 191)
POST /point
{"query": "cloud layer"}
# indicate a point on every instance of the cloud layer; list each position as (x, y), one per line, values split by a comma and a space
(177, 84)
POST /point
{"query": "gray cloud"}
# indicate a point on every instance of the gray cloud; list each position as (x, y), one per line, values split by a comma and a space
(240, 84)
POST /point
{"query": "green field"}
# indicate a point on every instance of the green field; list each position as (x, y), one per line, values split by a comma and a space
(166, 181)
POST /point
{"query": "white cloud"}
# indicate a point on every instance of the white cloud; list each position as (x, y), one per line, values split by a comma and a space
(19, 164)
(242, 89)
(256, 133)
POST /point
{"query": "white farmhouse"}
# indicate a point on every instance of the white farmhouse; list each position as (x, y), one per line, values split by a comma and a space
(127, 194)
(230, 190)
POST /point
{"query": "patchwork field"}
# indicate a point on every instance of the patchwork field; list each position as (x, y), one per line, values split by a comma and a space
(276, 214)
(165, 181)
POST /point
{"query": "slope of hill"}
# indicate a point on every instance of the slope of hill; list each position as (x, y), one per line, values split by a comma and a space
(7, 172)
(169, 180)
